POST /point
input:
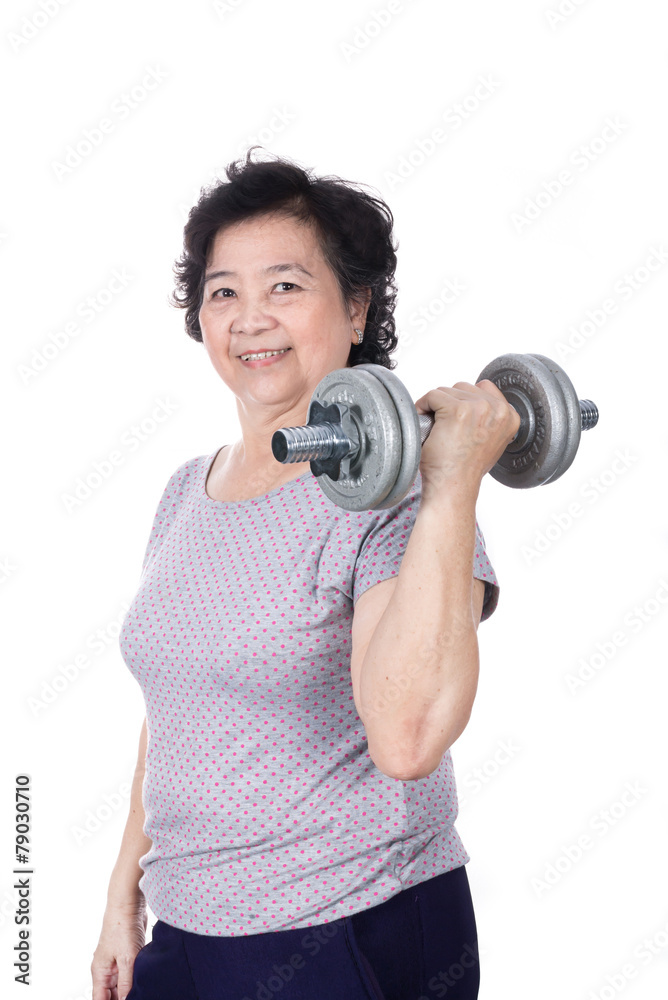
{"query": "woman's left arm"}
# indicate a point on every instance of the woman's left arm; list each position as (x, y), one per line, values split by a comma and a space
(418, 674)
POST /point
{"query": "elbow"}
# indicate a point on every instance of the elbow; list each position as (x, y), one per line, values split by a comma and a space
(423, 763)
(407, 773)
(404, 769)
(391, 765)
(399, 774)
(432, 761)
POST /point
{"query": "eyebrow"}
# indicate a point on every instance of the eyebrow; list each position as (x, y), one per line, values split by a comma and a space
(272, 269)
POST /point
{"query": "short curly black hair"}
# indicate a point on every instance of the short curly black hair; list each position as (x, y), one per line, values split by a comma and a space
(354, 230)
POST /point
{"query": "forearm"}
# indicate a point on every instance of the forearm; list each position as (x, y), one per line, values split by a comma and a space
(420, 670)
(124, 882)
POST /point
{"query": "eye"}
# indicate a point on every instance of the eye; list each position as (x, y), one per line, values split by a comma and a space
(221, 293)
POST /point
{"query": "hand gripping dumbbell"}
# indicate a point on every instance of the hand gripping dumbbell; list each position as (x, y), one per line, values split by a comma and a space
(364, 436)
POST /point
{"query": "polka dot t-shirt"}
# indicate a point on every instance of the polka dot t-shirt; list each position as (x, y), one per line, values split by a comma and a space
(264, 808)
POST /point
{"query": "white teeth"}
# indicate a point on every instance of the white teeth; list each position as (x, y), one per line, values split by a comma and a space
(267, 354)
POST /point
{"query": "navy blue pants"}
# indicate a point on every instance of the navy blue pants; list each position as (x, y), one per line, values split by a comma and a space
(418, 945)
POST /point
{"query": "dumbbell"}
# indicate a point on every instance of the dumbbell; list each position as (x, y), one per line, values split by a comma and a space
(364, 436)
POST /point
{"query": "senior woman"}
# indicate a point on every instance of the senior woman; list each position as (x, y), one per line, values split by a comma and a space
(305, 669)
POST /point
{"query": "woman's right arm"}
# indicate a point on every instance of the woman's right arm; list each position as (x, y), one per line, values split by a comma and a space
(125, 918)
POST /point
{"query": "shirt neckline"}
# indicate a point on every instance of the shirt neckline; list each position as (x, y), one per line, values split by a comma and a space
(204, 496)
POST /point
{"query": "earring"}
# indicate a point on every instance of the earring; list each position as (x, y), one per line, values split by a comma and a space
(360, 336)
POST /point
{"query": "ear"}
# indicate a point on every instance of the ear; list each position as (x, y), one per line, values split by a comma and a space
(359, 307)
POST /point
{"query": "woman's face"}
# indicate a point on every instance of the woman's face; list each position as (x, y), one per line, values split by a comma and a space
(268, 287)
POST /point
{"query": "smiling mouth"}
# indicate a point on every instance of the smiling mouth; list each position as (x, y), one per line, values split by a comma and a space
(259, 356)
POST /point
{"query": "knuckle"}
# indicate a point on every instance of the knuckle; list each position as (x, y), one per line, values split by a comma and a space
(487, 412)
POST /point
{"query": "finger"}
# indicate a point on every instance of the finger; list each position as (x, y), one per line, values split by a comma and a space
(484, 405)
(491, 387)
(125, 981)
(438, 398)
(102, 988)
(465, 390)
(465, 387)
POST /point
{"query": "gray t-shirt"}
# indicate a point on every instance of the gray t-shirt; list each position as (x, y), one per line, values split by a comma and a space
(264, 808)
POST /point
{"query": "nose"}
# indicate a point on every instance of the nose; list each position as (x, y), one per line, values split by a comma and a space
(250, 317)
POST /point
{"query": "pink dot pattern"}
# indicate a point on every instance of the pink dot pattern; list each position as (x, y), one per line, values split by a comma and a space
(264, 808)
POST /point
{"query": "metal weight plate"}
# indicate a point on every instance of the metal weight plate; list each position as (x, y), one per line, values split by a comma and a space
(529, 385)
(411, 445)
(366, 478)
(572, 417)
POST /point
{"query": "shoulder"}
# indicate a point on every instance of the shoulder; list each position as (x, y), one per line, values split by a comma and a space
(183, 479)
(191, 469)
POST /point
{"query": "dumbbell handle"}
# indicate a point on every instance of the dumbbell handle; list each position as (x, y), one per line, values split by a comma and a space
(322, 441)
(588, 416)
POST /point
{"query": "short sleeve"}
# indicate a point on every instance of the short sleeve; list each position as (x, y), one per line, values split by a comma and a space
(384, 543)
(483, 570)
(168, 504)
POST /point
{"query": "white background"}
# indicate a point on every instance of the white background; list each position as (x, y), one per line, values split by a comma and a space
(333, 89)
